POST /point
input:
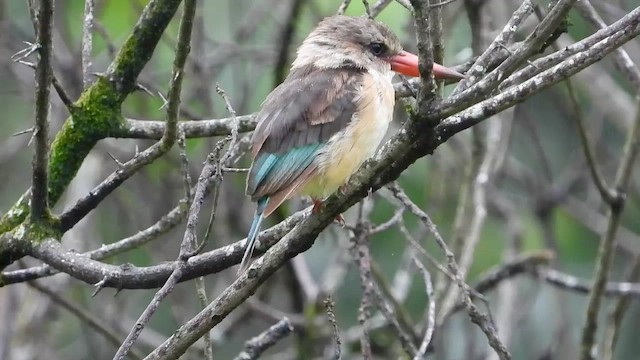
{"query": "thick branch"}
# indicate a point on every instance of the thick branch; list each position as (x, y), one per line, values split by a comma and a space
(83, 268)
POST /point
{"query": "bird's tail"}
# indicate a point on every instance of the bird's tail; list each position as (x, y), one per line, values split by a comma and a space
(253, 234)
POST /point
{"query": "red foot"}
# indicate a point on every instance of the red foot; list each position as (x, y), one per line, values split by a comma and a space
(317, 207)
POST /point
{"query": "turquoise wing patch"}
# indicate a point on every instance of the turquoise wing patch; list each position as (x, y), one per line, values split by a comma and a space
(273, 172)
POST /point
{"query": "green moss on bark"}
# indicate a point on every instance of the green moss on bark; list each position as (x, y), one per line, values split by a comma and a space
(16, 215)
(95, 116)
(39, 231)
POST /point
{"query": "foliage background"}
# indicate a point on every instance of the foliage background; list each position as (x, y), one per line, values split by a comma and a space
(544, 183)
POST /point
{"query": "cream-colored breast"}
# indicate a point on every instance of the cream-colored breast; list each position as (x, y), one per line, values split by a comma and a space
(347, 150)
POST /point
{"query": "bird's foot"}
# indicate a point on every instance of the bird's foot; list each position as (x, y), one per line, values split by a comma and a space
(317, 207)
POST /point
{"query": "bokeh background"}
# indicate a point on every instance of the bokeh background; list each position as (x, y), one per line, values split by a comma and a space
(541, 197)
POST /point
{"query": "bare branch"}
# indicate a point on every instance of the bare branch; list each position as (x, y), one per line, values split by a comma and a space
(431, 312)
(483, 322)
(616, 315)
(605, 251)
(329, 305)
(572, 283)
(256, 346)
(98, 325)
(425, 52)
(621, 57)
(607, 195)
(87, 42)
(360, 252)
(183, 47)
(570, 66)
(164, 225)
(343, 7)
(39, 181)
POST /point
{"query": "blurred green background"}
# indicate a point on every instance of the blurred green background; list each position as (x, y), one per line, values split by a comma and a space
(544, 183)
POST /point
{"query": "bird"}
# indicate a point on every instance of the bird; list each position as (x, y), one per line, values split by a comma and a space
(328, 116)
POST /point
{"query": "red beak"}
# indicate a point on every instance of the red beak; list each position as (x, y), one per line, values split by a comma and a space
(406, 63)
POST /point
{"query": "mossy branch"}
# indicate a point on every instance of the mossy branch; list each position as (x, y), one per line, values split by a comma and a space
(96, 114)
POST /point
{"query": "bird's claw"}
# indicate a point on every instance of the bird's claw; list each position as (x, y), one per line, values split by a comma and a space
(317, 207)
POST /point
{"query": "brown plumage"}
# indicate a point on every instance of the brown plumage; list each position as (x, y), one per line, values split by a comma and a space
(328, 116)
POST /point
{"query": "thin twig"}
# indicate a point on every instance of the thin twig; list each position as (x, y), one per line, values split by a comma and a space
(343, 7)
(39, 181)
(607, 244)
(616, 315)
(607, 195)
(202, 298)
(621, 58)
(183, 46)
(531, 45)
(389, 313)
(483, 321)
(187, 249)
(435, 33)
(568, 67)
(219, 168)
(184, 161)
(406, 4)
(571, 283)
(431, 317)
(380, 5)
(111, 335)
(480, 66)
(259, 344)
(490, 279)
(360, 251)
(66, 100)
(102, 31)
(425, 51)
(87, 42)
(83, 206)
(199, 282)
(367, 9)
(329, 305)
(234, 123)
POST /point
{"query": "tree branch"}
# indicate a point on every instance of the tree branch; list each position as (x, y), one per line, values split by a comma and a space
(183, 46)
(96, 113)
(98, 325)
(40, 201)
(259, 344)
(607, 244)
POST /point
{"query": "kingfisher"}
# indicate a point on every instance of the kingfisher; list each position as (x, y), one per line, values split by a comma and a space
(328, 116)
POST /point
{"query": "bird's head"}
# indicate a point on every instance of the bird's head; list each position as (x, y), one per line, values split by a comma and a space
(346, 41)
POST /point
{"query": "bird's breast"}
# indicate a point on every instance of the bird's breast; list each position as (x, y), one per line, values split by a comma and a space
(347, 150)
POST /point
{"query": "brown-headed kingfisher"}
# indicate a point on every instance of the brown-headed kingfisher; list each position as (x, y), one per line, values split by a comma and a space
(328, 116)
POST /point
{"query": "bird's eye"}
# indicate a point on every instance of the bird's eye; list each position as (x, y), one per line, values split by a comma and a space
(377, 49)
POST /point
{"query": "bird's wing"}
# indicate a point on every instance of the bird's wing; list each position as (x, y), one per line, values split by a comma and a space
(296, 121)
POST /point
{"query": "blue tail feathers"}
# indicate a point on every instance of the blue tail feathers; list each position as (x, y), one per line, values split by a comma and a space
(253, 233)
